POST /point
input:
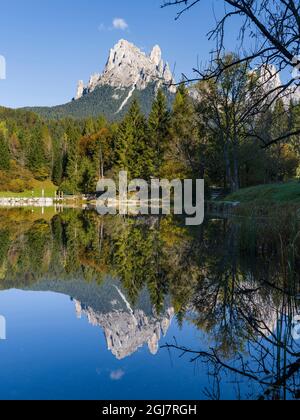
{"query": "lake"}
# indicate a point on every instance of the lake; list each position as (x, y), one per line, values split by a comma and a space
(112, 308)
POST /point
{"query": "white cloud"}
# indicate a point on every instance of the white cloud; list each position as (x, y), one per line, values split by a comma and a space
(117, 24)
(116, 375)
(121, 24)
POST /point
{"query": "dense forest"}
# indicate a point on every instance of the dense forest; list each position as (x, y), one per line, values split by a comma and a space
(205, 135)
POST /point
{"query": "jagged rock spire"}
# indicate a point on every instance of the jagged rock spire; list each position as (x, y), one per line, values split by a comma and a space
(128, 66)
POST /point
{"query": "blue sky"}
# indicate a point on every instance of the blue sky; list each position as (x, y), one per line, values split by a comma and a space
(50, 44)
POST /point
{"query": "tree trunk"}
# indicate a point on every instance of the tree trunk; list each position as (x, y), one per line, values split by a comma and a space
(227, 166)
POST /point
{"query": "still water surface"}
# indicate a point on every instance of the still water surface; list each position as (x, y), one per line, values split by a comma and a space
(91, 303)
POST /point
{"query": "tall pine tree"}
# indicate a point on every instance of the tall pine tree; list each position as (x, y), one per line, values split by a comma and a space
(158, 133)
(4, 153)
(132, 154)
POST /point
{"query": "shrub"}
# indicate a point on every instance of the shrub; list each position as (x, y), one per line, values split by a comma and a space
(17, 186)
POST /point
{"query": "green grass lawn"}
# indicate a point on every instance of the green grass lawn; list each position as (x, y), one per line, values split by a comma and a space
(272, 193)
(47, 186)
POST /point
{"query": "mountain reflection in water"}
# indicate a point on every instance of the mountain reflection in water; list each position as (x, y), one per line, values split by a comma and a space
(235, 282)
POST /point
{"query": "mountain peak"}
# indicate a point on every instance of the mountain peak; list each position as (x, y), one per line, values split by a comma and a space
(129, 67)
(155, 55)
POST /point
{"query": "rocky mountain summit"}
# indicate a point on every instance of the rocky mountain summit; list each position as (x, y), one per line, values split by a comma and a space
(129, 67)
(129, 73)
(270, 80)
(128, 330)
(126, 327)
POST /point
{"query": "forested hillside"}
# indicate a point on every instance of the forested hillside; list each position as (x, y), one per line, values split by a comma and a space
(194, 139)
(111, 102)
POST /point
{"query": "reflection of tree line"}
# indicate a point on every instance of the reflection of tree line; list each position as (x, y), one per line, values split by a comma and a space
(236, 282)
(142, 253)
(245, 299)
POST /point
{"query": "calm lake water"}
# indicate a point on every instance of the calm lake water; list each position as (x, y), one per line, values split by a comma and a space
(144, 308)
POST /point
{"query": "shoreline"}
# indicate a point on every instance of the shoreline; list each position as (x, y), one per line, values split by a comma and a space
(14, 201)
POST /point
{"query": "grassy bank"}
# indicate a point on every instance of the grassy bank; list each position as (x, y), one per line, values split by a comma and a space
(288, 193)
(48, 187)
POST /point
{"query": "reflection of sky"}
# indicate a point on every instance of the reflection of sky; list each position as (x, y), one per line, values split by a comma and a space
(49, 353)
